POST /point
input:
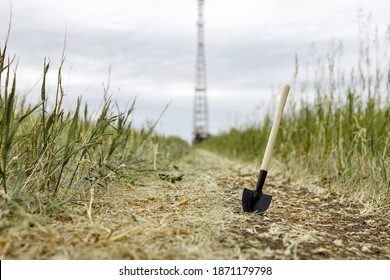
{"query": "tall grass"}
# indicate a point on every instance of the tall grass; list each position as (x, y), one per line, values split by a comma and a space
(336, 127)
(49, 157)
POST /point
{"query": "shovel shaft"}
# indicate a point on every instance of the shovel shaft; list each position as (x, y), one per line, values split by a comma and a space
(274, 129)
(261, 180)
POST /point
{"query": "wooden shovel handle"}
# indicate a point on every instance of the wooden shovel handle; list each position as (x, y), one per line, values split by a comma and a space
(274, 130)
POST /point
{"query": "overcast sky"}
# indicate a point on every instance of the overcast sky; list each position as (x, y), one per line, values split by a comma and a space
(150, 46)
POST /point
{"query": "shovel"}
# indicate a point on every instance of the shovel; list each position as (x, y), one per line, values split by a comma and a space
(256, 200)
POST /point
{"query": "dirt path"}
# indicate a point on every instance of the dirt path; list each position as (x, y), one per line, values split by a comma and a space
(200, 217)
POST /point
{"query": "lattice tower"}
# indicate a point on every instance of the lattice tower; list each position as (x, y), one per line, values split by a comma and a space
(200, 117)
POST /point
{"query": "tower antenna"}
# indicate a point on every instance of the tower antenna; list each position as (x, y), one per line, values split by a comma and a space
(200, 118)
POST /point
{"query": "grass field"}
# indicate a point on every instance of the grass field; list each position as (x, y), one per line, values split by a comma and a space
(51, 157)
(337, 124)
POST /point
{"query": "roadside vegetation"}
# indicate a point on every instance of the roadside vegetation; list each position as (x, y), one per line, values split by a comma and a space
(337, 123)
(50, 157)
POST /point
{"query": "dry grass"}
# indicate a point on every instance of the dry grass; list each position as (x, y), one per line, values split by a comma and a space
(200, 217)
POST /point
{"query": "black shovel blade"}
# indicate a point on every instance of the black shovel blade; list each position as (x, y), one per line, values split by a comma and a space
(263, 204)
(252, 201)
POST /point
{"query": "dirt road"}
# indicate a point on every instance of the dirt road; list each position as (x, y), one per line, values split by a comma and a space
(198, 216)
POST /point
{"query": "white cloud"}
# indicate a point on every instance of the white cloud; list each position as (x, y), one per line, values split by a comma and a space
(151, 47)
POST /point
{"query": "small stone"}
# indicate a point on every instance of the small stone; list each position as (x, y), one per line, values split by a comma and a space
(365, 249)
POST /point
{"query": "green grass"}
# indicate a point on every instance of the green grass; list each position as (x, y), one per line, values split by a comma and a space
(340, 133)
(50, 157)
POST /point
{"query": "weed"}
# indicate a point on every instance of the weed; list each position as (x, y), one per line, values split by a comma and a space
(50, 157)
(340, 135)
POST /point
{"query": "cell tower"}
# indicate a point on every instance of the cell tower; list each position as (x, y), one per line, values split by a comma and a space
(200, 118)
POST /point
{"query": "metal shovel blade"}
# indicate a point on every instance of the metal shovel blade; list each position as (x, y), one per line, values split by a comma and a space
(252, 201)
